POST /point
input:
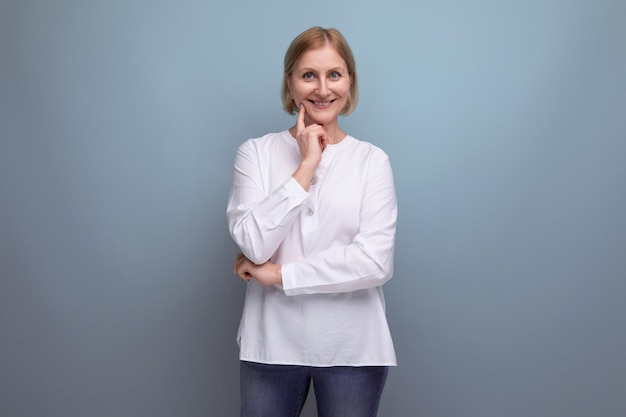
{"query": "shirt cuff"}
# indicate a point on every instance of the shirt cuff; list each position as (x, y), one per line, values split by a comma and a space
(294, 188)
(287, 272)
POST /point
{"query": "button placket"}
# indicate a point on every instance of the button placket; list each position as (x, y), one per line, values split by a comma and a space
(310, 210)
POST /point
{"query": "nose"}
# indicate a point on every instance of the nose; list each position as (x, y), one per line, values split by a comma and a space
(322, 88)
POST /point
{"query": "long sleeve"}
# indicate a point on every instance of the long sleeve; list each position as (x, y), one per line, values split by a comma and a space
(367, 260)
(259, 216)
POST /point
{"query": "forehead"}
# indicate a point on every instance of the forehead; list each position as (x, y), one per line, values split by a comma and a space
(323, 57)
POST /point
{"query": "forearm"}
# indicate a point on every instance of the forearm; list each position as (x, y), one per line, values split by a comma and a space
(259, 228)
(353, 267)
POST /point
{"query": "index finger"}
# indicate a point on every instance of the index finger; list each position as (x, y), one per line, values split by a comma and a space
(300, 120)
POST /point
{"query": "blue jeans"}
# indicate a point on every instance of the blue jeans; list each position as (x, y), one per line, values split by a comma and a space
(281, 390)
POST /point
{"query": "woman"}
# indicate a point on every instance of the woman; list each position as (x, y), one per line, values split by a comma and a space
(314, 213)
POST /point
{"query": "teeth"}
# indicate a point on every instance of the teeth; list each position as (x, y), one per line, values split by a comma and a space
(321, 103)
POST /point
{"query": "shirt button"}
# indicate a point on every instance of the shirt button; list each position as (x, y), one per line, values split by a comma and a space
(309, 211)
(314, 180)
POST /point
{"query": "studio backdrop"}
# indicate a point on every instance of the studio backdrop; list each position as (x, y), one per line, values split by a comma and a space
(505, 125)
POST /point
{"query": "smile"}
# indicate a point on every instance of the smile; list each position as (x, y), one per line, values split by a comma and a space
(322, 103)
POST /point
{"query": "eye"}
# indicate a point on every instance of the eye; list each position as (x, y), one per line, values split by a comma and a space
(334, 75)
(308, 75)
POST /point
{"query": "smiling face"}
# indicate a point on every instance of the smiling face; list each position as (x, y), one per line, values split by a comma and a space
(320, 80)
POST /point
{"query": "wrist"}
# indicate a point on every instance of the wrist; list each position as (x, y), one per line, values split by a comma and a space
(304, 174)
(309, 165)
(278, 275)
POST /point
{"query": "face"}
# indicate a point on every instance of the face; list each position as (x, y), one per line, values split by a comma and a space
(321, 81)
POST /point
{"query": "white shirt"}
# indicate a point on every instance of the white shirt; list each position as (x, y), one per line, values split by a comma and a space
(335, 244)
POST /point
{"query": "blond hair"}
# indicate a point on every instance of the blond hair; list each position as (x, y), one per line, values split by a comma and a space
(317, 37)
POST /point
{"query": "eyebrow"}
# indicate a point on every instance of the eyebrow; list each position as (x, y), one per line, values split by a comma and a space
(306, 69)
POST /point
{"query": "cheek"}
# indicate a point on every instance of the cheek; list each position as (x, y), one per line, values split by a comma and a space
(301, 89)
(344, 88)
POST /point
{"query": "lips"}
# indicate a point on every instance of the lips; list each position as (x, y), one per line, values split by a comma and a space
(321, 103)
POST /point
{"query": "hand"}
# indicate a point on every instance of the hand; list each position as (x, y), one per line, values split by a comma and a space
(312, 139)
(266, 274)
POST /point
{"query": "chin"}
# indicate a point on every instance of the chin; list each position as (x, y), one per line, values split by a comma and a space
(323, 118)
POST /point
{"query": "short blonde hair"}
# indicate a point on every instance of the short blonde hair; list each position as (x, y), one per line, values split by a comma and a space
(312, 38)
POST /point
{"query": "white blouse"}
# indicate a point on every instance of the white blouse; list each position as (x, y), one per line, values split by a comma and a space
(335, 244)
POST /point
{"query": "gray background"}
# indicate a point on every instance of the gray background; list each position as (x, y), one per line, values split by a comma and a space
(505, 124)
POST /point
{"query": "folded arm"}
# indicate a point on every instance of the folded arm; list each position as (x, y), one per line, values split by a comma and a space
(258, 218)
